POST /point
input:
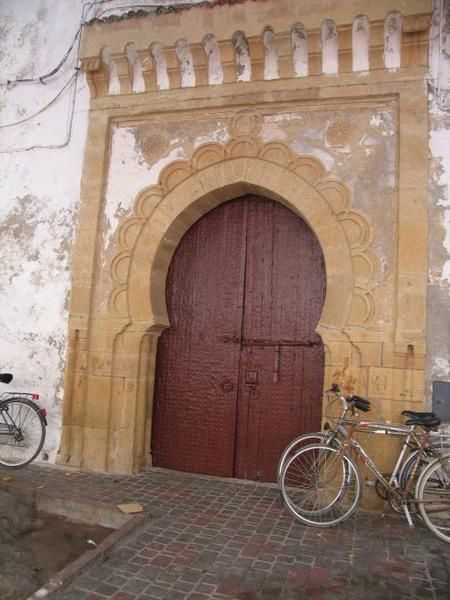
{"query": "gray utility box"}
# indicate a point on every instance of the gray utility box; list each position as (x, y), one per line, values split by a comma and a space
(441, 400)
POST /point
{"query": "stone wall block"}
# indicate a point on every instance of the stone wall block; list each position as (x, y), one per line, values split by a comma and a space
(336, 194)
(74, 410)
(208, 154)
(100, 363)
(335, 313)
(363, 309)
(175, 173)
(413, 234)
(95, 445)
(404, 356)
(411, 320)
(388, 383)
(370, 353)
(79, 300)
(97, 410)
(120, 457)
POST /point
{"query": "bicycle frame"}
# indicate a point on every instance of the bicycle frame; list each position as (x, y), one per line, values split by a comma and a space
(392, 485)
(347, 427)
(8, 427)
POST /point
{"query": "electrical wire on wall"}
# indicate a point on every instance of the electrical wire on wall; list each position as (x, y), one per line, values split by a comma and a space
(73, 80)
(71, 83)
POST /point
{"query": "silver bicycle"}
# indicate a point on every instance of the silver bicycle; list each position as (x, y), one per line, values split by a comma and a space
(439, 443)
(321, 483)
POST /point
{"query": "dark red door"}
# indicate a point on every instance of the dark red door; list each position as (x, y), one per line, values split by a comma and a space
(240, 371)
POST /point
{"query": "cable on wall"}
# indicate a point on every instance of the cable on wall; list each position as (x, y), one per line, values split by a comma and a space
(44, 108)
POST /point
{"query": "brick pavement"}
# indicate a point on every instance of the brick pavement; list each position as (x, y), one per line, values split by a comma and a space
(210, 538)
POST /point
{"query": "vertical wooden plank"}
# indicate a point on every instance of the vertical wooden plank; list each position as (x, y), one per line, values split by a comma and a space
(284, 295)
(285, 275)
(198, 362)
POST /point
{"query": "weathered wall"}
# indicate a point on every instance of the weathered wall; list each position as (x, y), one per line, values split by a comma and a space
(41, 167)
(369, 127)
(40, 170)
(438, 330)
(360, 149)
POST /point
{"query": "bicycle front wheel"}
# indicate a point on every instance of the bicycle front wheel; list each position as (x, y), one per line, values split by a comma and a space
(320, 485)
(22, 432)
(300, 441)
(433, 497)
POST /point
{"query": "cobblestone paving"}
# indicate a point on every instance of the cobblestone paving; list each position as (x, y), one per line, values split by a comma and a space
(210, 538)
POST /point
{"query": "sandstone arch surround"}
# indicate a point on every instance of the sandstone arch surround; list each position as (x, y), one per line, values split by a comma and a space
(107, 422)
(205, 190)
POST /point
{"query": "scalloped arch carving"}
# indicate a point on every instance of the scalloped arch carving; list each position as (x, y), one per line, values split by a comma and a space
(187, 189)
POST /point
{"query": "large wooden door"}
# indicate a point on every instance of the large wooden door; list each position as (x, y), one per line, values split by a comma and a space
(240, 370)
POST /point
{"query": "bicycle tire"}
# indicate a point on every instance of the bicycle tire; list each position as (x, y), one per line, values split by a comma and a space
(320, 485)
(433, 497)
(305, 439)
(21, 447)
(405, 471)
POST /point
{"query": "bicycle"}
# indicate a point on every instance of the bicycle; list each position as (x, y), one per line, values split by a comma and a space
(439, 443)
(22, 427)
(321, 484)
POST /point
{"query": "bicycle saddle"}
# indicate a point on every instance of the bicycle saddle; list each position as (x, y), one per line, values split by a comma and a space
(5, 377)
(427, 422)
(412, 414)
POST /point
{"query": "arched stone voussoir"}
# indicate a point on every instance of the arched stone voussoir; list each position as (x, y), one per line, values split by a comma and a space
(182, 206)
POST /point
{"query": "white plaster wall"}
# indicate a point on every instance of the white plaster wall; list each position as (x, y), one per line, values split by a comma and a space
(40, 169)
(438, 326)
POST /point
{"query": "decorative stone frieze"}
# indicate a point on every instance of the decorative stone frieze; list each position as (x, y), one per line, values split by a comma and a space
(329, 46)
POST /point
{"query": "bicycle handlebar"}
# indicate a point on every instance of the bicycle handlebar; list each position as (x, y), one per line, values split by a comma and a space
(350, 402)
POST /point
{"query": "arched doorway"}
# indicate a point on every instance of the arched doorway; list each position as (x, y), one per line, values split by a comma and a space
(240, 370)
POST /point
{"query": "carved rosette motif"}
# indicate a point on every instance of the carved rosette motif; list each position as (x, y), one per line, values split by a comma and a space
(245, 127)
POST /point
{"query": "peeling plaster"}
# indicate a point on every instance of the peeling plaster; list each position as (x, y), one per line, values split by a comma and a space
(138, 155)
(438, 329)
(440, 151)
(40, 195)
(129, 173)
(35, 246)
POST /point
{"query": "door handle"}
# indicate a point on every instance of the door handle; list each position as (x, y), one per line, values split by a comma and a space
(227, 385)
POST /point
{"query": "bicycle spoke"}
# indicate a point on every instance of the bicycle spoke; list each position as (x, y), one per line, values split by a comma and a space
(433, 495)
(319, 486)
(23, 435)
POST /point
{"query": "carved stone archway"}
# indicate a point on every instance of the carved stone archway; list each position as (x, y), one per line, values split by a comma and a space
(217, 173)
(107, 421)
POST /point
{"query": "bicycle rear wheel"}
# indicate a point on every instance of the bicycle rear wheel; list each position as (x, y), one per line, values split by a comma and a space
(436, 449)
(433, 496)
(22, 432)
(320, 485)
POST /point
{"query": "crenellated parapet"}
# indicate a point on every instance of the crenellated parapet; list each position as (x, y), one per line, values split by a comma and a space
(153, 53)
